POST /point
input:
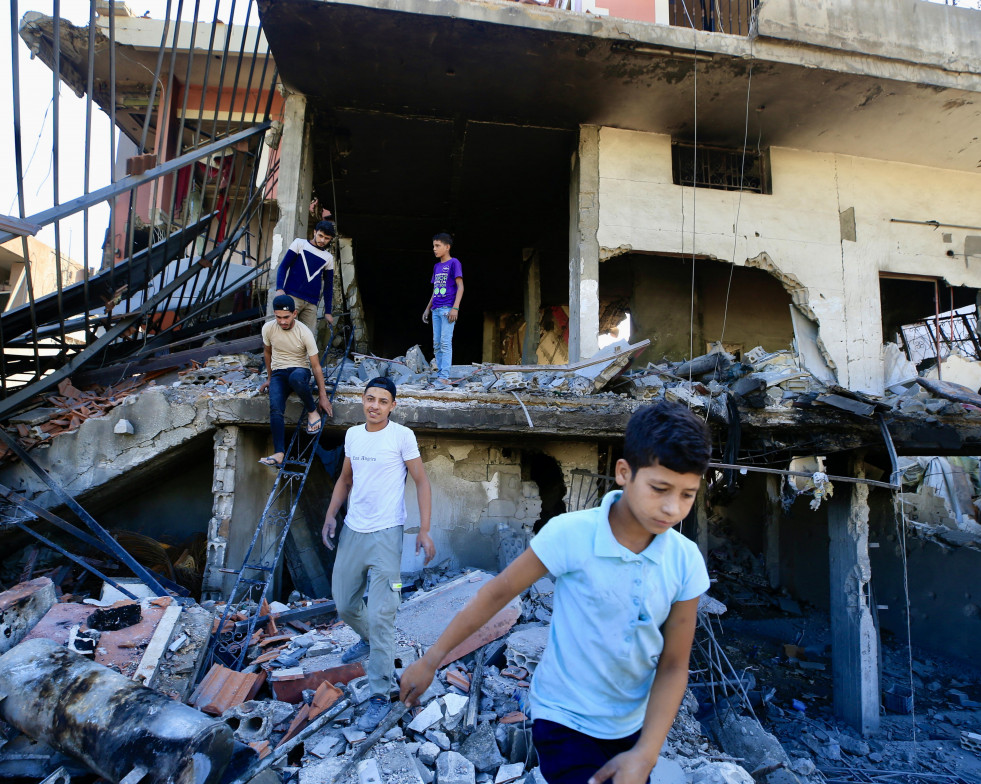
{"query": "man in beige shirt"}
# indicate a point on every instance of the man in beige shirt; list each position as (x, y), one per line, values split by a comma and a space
(290, 352)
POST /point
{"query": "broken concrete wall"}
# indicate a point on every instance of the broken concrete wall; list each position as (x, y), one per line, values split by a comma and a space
(944, 594)
(797, 232)
(169, 500)
(656, 285)
(94, 455)
(481, 495)
(945, 605)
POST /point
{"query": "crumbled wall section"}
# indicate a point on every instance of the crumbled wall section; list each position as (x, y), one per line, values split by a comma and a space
(483, 509)
(95, 455)
(223, 487)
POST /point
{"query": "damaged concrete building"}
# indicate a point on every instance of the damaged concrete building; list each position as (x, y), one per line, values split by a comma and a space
(781, 212)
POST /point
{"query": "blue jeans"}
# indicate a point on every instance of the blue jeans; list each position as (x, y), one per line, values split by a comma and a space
(281, 382)
(443, 341)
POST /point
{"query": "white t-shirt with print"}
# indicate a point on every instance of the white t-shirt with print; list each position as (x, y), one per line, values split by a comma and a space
(377, 499)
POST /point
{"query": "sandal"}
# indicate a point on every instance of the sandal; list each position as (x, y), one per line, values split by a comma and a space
(268, 461)
(313, 429)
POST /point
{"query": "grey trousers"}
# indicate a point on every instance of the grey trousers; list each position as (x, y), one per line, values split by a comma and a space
(373, 560)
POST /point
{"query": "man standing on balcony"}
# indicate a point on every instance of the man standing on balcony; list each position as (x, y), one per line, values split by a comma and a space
(306, 273)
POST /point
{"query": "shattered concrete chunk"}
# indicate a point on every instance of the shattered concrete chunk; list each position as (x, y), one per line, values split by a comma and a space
(454, 768)
(353, 734)
(368, 772)
(441, 739)
(720, 773)
(427, 775)
(428, 752)
(251, 721)
(667, 771)
(429, 715)
(526, 646)
(509, 773)
(481, 749)
(454, 703)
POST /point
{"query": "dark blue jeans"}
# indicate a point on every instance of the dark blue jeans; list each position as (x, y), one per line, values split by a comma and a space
(281, 382)
(570, 757)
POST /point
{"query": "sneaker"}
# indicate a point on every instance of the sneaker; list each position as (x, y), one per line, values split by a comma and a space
(357, 652)
(378, 708)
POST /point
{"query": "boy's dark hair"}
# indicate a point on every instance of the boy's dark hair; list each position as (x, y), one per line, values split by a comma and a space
(327, 227)
(667, 434)
(446, 239)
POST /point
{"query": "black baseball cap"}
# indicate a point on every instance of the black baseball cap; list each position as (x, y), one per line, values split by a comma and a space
(284, 302)
(382, 383)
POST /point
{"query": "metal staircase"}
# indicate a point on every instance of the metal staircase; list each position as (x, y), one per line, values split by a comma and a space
(231, 639)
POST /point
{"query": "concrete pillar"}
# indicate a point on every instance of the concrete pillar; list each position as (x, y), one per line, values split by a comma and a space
(771, 531)
(223, 487)
(854, 644)
(491, 339)
(351, 293)
(295, 183)
(532, 307)
(584, 246)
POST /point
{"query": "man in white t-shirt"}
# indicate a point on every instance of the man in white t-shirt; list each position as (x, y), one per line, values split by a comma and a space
(377, 457)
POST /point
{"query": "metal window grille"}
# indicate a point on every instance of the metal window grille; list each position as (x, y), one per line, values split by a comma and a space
(703, 166)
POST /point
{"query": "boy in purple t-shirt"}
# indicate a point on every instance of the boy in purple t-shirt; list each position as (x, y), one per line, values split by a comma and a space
(444, 304)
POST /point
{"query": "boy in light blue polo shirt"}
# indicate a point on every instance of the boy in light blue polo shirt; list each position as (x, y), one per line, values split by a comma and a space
(626, 592)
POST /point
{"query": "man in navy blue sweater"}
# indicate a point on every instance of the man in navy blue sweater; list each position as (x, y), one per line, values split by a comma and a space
(307, 272)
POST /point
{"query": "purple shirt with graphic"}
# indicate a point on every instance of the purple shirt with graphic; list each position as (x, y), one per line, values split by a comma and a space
(445, 274)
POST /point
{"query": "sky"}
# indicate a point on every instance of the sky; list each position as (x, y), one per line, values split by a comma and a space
(36, 81)
(36, 89)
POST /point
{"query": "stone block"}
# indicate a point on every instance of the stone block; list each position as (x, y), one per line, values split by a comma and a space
(428, 752)
(441, 739)
(720, 773)
(508, 773)
(481, 749)
(454, 703)
(368, 772)
(454, 768)
(667, 771)
(429, 715)
(425, 773)
(22, 607)
(124, 427)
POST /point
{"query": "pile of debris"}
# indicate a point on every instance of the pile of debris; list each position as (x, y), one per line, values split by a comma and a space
(292, 710)
(67, 410)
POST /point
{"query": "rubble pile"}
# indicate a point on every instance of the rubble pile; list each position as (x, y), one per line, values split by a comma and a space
(775, 380)
(293, 707)
(781, 651)
(63, 413)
